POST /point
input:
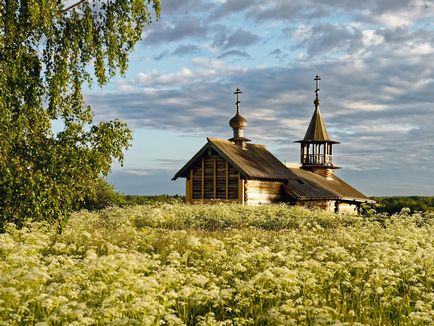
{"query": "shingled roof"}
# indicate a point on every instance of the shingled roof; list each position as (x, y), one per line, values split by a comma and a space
(305, 185)
(256, 162)
(317, 131)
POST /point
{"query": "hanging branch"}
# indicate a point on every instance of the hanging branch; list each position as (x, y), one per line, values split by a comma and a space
(73, 6)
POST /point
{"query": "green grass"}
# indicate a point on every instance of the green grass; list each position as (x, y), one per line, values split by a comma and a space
(219, 265)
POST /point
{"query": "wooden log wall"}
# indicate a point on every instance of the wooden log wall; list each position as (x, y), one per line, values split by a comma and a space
(197, 180)
(212, 178)
(209, 177)
(232, 182)
(347, 208)
(327, 205)
(220, 178)
(262, 192)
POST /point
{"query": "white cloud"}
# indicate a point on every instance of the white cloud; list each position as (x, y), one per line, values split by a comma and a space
(371, 38)
(394, 20)
(364, 106)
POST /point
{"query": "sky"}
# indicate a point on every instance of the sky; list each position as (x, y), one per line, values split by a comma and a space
(375, 58)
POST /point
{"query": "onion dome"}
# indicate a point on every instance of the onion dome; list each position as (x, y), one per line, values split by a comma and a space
(238, 121)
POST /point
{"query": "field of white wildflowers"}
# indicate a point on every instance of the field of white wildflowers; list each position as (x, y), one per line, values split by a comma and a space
(219, 265)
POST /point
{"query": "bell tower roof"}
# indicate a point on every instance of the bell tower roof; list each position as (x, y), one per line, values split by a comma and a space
(317, 131)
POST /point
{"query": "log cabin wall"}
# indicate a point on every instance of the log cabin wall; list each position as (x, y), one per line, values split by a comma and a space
(324, 172)
(327, 205)
(212, 178)
(262, 192)
(347, 208)
(330, 206)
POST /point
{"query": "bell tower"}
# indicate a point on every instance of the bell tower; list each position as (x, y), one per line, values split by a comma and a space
(316, 147)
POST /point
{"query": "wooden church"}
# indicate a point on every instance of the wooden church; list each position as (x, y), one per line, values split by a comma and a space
(235, 170)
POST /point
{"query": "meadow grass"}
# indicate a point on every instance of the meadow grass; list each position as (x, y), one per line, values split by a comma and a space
(219, 265)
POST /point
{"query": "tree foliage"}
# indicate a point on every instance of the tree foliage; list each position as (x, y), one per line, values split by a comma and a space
(105, 196)
(48, 52)
(392, 205)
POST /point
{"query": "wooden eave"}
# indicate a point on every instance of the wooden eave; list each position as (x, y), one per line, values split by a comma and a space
(316, 141)
(364, 200)
(181, 173)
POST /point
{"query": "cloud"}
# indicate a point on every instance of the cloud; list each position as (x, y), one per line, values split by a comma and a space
(169, 164)
(394, 13)
(181, 51)
(235, 53)
(230, 7)
(239, 39)
(176, 7)
(278, 54)
(329, 39)
(162, 55)
(186, 49)
(187, 26)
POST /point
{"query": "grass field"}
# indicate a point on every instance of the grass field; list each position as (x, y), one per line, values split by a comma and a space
(219, 265)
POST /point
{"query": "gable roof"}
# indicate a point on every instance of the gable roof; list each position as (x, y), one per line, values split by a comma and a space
(256, 162)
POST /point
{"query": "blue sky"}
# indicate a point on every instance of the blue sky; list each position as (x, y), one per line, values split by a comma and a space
(376, 60)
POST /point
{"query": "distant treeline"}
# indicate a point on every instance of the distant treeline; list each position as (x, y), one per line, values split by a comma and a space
(393, 205)
(106, 196)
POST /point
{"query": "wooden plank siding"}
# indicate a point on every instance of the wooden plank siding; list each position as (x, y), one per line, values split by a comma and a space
(220, 178)
(215, 179)
(262, 192)
(240, 189)
(208, 185)
(212, 178)
(197, 180)
(202, 196)
(232, 183)
(227, 179)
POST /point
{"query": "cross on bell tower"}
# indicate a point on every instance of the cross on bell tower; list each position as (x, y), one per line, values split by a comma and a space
(317, 79)
(316, 147)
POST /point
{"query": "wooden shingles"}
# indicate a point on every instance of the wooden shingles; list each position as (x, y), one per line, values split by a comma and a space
(303, 185)
(254, 162)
